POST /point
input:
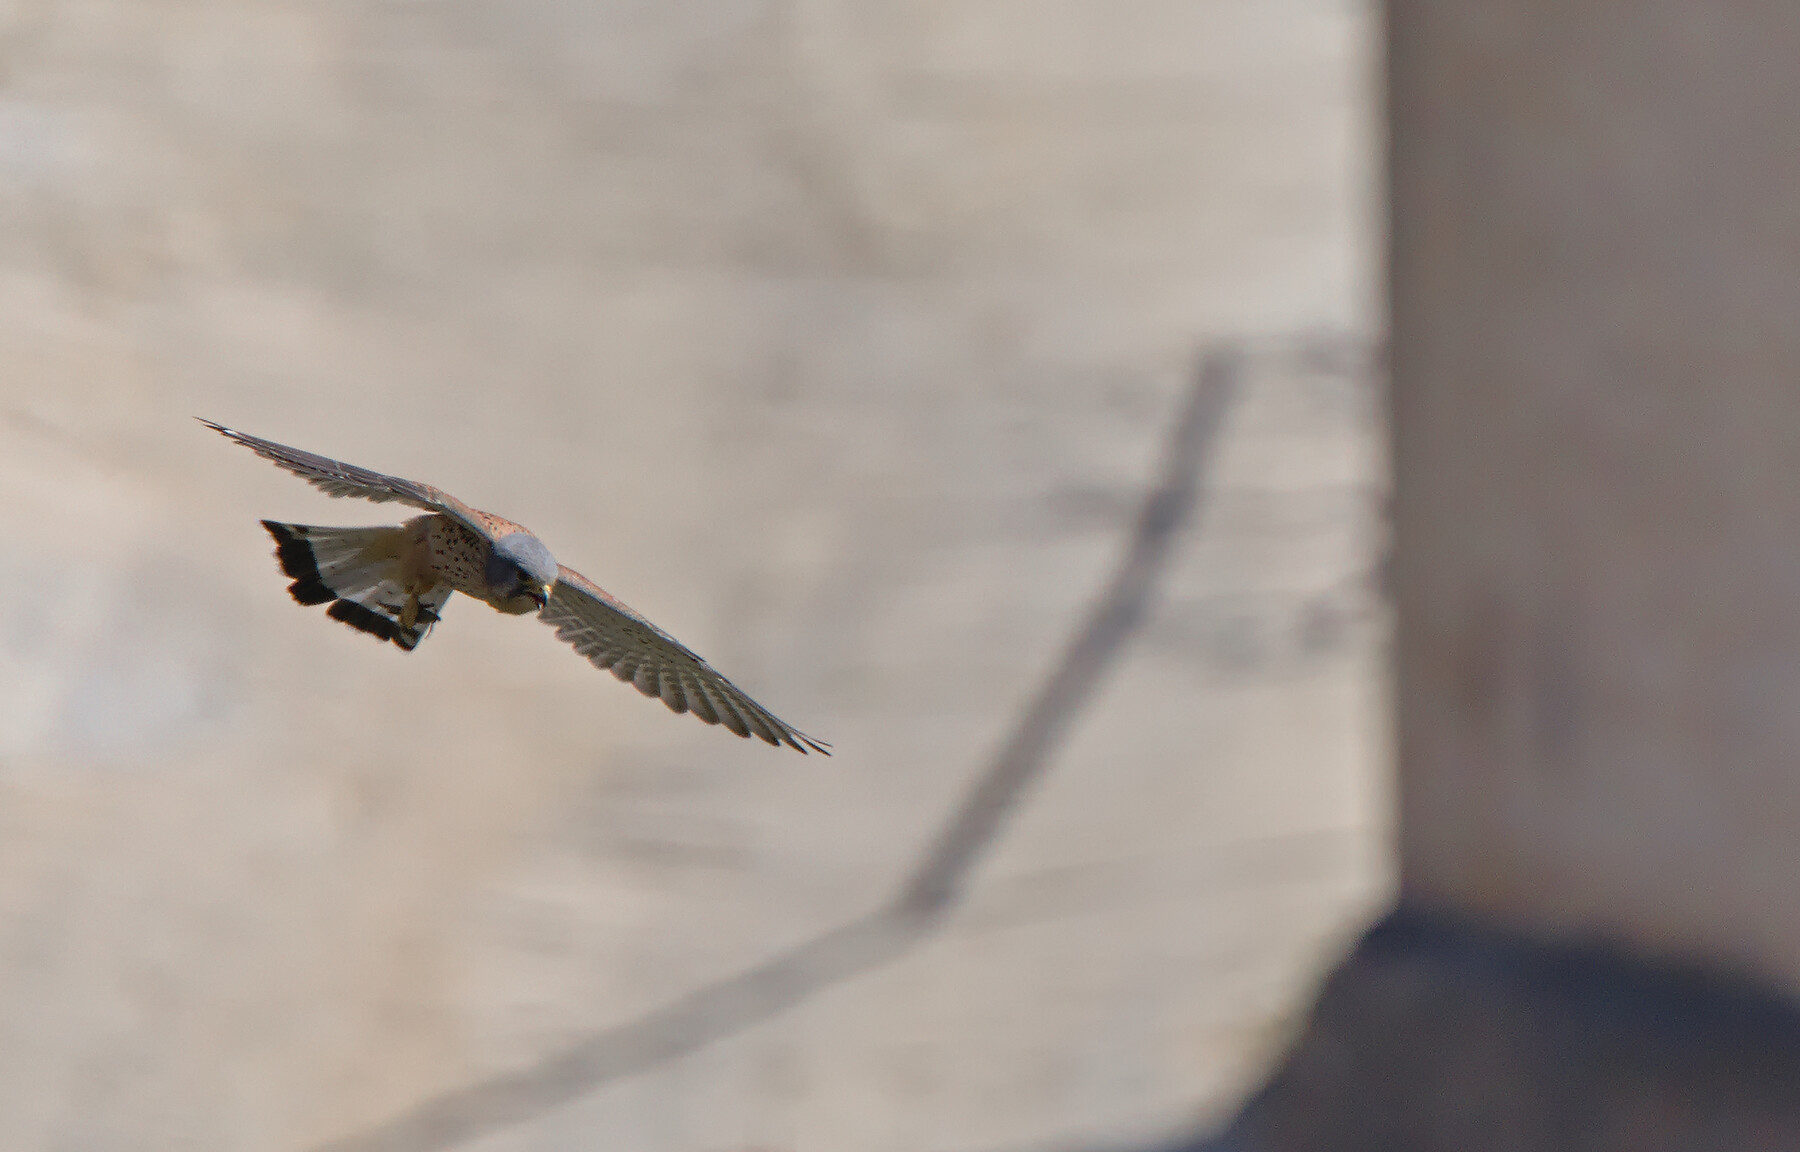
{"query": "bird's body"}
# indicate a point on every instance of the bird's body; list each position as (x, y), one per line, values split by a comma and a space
(447, 550)
(392, 582)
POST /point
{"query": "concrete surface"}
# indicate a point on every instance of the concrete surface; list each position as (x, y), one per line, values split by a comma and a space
(839, 338)
(1595, 412)
(1441, 1033)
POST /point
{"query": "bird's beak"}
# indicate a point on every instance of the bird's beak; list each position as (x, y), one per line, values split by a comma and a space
(539, 596)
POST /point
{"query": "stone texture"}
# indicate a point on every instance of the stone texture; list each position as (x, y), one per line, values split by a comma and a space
(1595, 247)
(1595, 414)
(840, 338)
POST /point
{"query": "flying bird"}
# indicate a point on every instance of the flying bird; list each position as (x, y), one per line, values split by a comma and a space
(393, 581)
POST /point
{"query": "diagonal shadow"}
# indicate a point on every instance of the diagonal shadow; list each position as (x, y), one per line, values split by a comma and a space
(738, 1002)
(1111, 621)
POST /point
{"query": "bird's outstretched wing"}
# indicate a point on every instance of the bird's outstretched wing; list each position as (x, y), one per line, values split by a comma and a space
(335, 478)
(613, 636)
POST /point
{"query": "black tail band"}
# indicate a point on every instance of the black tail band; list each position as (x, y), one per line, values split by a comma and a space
(297, 560)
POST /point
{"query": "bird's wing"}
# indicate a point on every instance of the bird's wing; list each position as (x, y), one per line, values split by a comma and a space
(335, 478)
(612, 636)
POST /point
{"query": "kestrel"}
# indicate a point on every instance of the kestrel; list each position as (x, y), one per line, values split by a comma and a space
(392, 582)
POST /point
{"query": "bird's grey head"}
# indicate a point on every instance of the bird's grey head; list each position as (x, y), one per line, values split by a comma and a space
(520, 570)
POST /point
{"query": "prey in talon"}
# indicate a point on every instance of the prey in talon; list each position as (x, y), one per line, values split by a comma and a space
(393, 582)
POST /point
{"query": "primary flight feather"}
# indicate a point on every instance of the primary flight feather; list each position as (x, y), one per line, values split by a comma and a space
(392, 582)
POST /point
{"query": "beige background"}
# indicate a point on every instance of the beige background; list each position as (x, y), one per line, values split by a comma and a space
(839, 338)
(1596, 258)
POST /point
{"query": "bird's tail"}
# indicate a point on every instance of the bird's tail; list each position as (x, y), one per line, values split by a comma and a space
(358, 571)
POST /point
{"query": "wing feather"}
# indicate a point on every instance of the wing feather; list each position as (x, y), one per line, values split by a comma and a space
(730, 717)
(674, 691)
(699, 705)
(611, 635)
(336, 478)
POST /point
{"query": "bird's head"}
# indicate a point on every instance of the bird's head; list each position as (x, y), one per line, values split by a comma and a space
(520, 573)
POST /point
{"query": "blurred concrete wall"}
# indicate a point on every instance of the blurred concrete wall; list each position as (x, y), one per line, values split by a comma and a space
(840, 338)
(1595, 362)
(1594, 262)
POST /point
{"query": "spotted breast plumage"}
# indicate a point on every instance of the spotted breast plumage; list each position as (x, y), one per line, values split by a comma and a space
(393, 581)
